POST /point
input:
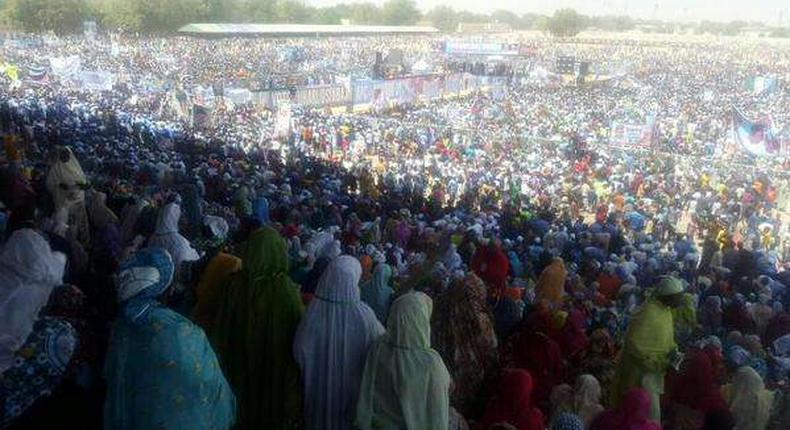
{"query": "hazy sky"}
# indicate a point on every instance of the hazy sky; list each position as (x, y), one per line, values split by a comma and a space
(769, 11)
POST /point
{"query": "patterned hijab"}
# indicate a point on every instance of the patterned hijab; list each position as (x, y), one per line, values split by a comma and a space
(457, 319)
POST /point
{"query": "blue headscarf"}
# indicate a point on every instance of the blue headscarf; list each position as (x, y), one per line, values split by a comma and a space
(377, 293)
(515, 264)
(141, 279)
(261, 210)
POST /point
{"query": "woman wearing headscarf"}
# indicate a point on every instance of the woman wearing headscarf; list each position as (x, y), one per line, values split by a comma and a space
(587, 398)
(632, 414)
(130, 215)
(331, 345)
(749, 401)
(512, 403)
(65, 183)
(35, 349)
(561, 400)
(215, 276)
(253, 334)
(551, 283)
(534, 349)
(463, 334)
(106, 237)
(710, 316)
(405, 384)
(377, 293)
(696, 392)
(160, 369)
(567, 421)
(572, 337)
(737, 317)
(599, 357)
(492, 266)
(649, 345)
(167, 237)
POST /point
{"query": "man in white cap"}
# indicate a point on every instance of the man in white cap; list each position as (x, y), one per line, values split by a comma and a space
(649, 348)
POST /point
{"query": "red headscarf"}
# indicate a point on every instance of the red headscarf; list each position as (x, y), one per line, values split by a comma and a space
(572, 338)
(512, 403)
(542, 356)
(492, 266)
(633, 414)
(696, 386)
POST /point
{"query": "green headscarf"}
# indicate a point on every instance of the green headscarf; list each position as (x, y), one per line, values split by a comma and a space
(405, 383)
(254, 331)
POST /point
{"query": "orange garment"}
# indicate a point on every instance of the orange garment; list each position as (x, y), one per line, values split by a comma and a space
(551, 283)
(619, 202)
(609, 285)
(12, 152)
(209, 289)
(366, 262)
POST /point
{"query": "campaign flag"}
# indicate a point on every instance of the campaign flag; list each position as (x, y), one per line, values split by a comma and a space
(201, 116)
(12, 71)
(761, 84)
(753, 137)
(37, 73)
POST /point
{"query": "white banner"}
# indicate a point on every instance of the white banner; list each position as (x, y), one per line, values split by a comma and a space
(238, 96)
(65, 67)
(97, 80)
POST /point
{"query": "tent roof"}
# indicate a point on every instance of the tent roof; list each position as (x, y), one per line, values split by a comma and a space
(299, 29)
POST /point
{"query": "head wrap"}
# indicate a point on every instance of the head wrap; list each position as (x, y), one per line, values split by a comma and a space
(668, 286)
(141, 280)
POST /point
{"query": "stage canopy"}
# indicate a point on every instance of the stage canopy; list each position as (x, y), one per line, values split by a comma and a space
(290, 30)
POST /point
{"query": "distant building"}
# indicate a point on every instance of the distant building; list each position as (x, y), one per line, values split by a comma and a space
(298, 30)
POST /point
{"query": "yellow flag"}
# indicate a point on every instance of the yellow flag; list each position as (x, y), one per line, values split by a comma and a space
(12, 72)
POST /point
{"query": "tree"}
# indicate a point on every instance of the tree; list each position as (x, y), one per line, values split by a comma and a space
(444, 18)
(121, 14)
(60, 16)
(531, 20)
(400, 12)
(506, 17)
(566, 23)
(292, 12)
(365, 13)
(169, 15)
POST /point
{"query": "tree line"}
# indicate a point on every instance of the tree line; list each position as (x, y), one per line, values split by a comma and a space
(163, 16)
(156, 16)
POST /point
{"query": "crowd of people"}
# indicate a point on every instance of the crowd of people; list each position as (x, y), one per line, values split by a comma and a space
(482, 262)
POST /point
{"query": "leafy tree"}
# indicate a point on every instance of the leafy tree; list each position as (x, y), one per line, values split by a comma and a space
(531, 20)
(400, 12)
(121, 14)
(566, 23)
(365, 13)
(506, 17)
(444, 18)
(260, 11)
(61, 16)
(329, 15)
(291, 11)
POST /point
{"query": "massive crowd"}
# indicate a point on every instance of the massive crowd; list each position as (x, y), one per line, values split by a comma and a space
(487, 261)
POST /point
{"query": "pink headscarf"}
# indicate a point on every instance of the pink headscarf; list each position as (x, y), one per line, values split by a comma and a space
(633, 414)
